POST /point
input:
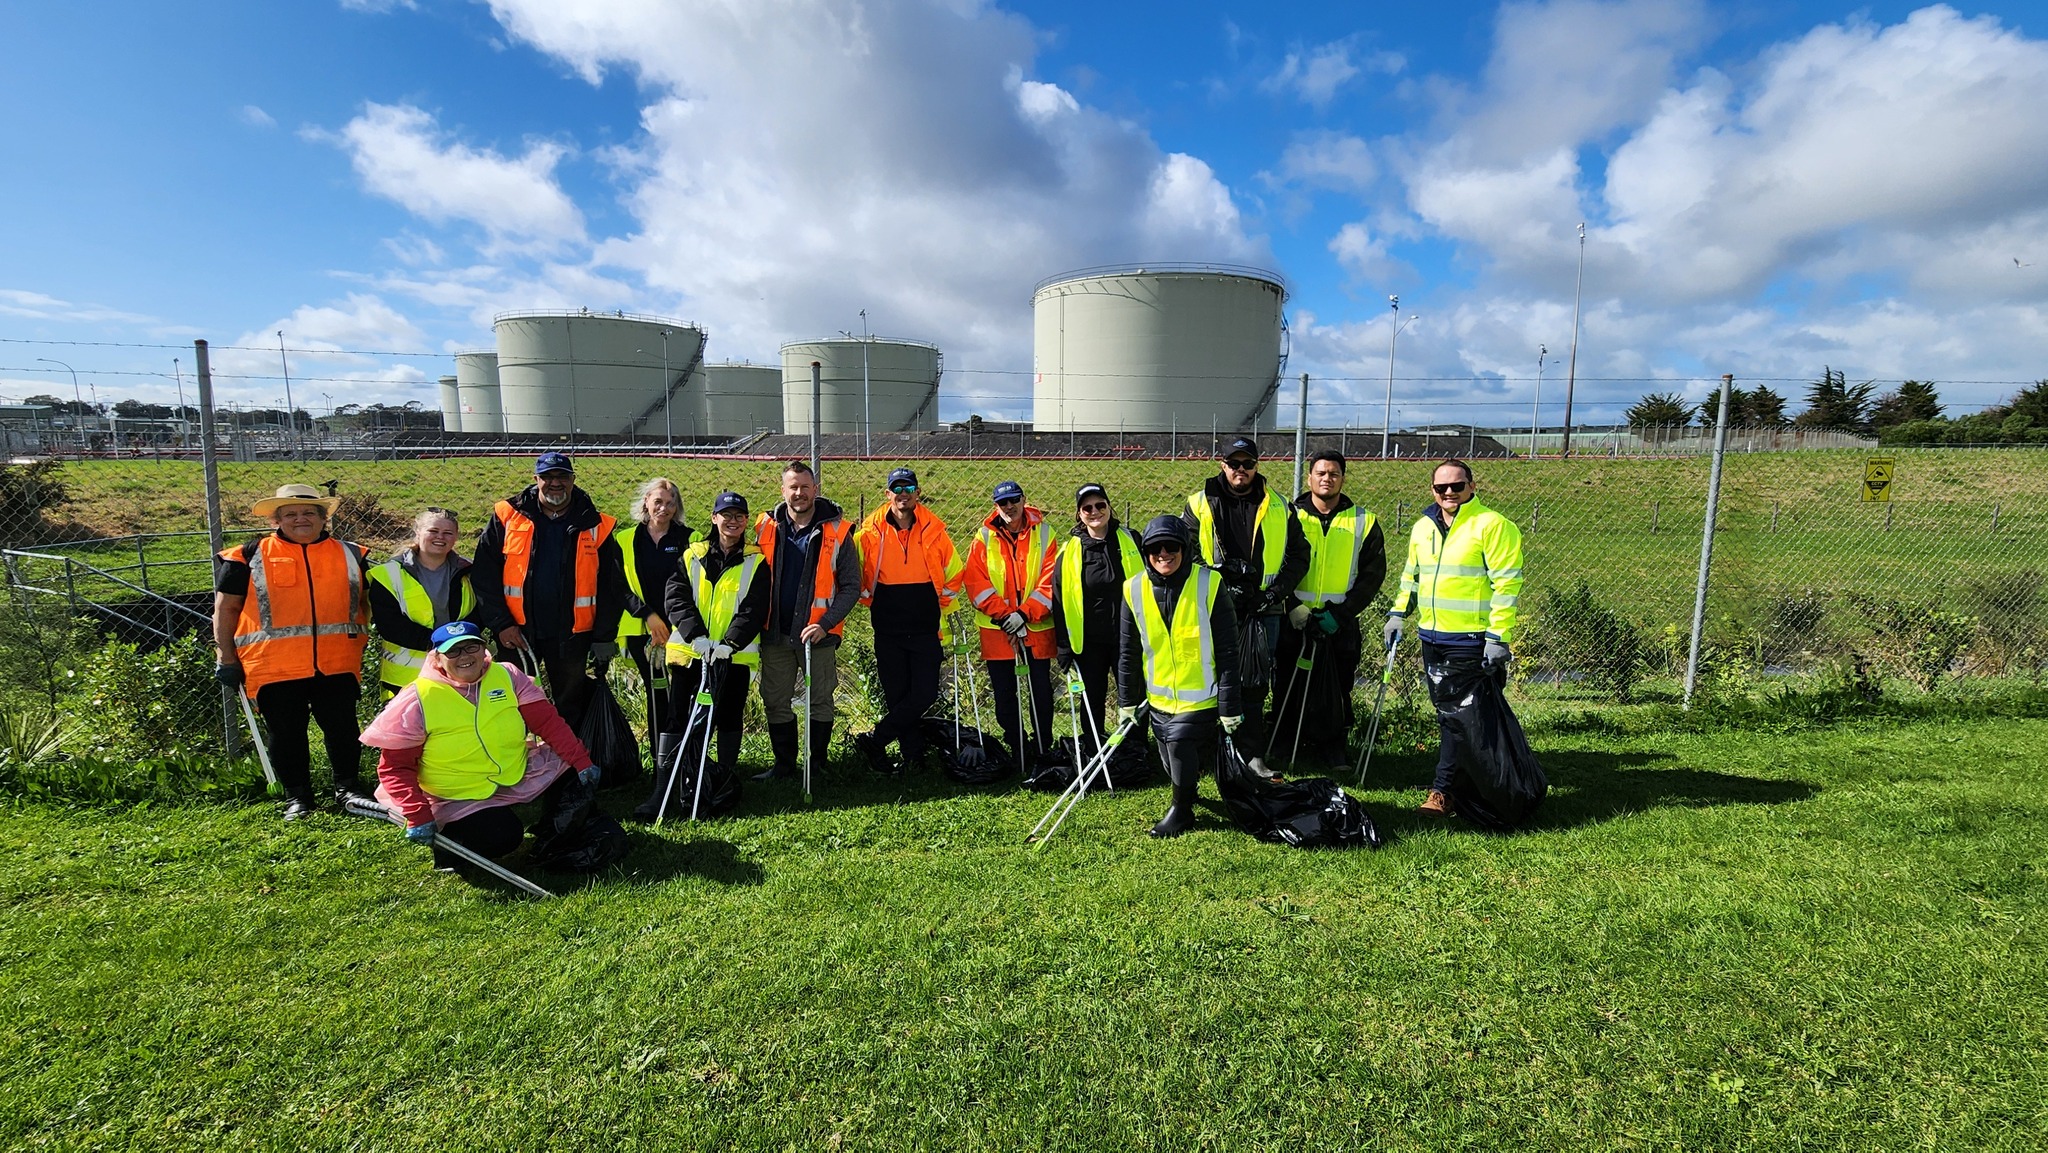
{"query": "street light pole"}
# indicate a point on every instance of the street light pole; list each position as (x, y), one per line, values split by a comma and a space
(290, 418)
(1387, 423)
(1536, 402)
(1572, 375)
(184, 425)
(75, 398)
(867, 414)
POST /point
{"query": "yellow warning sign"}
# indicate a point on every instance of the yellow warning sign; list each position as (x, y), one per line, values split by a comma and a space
(1877, 480)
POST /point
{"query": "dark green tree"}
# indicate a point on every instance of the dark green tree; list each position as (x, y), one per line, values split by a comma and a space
(1833, 403)
(1658, 408)
(1913, 400)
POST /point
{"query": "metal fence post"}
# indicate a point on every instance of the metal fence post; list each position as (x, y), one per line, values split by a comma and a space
(1699, 596)
(817, 391)
(209, 465)
(1301, 433)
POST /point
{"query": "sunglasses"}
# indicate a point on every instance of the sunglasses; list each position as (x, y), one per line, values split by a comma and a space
(1098, 506)
(1240, 465)
(905, 488)
(1162, 549)
(1007, 501)
(1448, 489)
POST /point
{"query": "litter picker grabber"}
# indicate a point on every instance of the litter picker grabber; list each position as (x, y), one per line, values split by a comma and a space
(1315, 649)
(1379, 701)
(1075, 688)
(365, 807)
(524, 660)
(714, 678)
(270, 784)
(700, 709)
(1027, 698)
(806, 734)
(1304, 662)
(1065, 802)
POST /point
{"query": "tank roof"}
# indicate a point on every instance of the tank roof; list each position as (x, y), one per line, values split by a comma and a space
(788, 344)
(581, 313)
(1164, 268)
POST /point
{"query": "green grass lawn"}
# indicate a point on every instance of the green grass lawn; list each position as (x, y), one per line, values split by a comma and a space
(1828, 940)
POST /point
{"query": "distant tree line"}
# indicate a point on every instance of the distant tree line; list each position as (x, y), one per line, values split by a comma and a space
(1907, 415)
(347, 417)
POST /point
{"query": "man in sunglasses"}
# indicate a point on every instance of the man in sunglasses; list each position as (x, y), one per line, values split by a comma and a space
(1249, 535)
(910, 577)
(1008, 579)
(1462, 582)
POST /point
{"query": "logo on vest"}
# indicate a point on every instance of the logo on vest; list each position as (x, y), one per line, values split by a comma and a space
(495, 695)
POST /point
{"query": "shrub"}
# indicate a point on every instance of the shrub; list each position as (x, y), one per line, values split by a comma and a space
(1918, 640)
(1573, 632)
(147, 704)
(27, 491)
(2012, 620)
(1787, 623)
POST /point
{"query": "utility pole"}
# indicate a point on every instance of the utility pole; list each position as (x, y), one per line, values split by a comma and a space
(1536, 403)
(817, 402)
(184, 424)
(1387, 424)
(1572, 376)
(1301, 433)
(77, 399)
(291, 418)
(867, 414)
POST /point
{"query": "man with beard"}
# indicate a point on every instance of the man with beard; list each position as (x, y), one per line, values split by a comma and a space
(814, 574)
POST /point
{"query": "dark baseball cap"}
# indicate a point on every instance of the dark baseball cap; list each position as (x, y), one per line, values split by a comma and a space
(901, 476)
(727, 502)
(1008, 490)
(553, 462)
(1087, 490)
(1241, 444)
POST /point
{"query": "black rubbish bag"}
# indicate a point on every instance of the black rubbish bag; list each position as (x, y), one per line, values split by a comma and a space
(972, 757)
(593, 846)
(1497, 783)
(721, 786)
(1054, 771)
(609, 737)
(1312, 813)
(1255, 638)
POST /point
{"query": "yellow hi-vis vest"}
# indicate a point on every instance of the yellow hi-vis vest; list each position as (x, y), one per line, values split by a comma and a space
(717, 603)
(630, 625)
(397, 665)
(1272, 534)
(1070, 580)
(1037, 539)
(1332, 556)
(1180, 662)
(472, 750)
(1467, 580)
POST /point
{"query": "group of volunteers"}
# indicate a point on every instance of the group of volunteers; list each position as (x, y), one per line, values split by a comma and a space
(1203, 618)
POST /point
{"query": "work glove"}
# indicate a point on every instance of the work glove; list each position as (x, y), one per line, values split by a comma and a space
(703, 645)
(1496, 654)
(1230, 723)
(1014, 624)
(604, 652)
(1298, 615)
(422, 833)
(229, 676)
(1128, 715)
(721, 652)
(1326, 622)
(590, 776)
(1392, 632)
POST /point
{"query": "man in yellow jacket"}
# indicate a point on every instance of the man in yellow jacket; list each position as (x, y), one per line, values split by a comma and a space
(1462, 583)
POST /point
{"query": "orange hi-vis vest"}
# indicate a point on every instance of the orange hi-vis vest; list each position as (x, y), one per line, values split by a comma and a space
(519, 555)
(832, 536)
(306, 611)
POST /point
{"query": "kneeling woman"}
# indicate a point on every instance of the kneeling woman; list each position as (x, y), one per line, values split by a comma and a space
(455, 757)
(1179, 656)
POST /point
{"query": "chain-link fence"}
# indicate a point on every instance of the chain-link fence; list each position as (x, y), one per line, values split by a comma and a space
(1941, 586)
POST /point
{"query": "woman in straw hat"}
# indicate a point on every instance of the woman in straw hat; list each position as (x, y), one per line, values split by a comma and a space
(290, 619)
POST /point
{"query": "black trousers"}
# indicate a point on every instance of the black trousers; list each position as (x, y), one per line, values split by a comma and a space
(1436, 656)
(657, 704)
(908, 667)
(562, 664)
(328, 699)
(1002, 679)
(496, 831)
(1094, 667)
(728, 707)
(1188, 750)
(1324, 692)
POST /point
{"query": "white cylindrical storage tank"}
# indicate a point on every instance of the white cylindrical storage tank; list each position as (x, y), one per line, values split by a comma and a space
(1153, 348)
(896, 388)
(593, 374)
(451, 405)
(732, 400)
(476, 387)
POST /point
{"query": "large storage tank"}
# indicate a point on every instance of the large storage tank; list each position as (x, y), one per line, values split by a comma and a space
(451, 405)
(589, 373)
(1157, 347)
(476, 385)
(901, 392)
(731, 400)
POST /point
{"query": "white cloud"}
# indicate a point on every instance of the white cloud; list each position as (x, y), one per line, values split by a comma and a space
(256, 117)
(1360, 252)
(40, 306)
(1331, 160)
(1314, 76)
(378, 7)
(339, 350)
(401, 154)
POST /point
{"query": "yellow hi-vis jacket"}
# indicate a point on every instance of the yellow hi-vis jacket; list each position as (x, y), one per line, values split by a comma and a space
(1467, 580)
(1180, 660)
(1332, 556)
(1273, 511)
(717, 602)
(399, 666)
(472, 750)
(1071, 597)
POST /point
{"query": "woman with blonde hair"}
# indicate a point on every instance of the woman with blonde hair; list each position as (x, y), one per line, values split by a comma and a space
(414, 593)
(652, 553)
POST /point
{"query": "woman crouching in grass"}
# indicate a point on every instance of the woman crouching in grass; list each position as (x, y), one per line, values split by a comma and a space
(454, 756)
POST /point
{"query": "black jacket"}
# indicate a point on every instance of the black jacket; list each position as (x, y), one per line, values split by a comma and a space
(1372, 560)
(1238, 540)
(845, 573)
(654, 564)
(549, 618)
(1102, 585)
(747, 619)
(1130, 665)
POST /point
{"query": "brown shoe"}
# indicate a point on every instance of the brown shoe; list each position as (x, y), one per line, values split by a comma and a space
(1435, 804)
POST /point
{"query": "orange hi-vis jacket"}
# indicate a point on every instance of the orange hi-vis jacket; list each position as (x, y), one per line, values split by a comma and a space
(1013, 572)
(882, 544)
(307, 611)
(519, 555)
(824, 579)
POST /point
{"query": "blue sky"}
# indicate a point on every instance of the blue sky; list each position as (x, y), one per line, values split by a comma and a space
(1767, 188)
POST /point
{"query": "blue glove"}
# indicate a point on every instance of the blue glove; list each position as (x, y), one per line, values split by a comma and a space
(229, 676)
(421, 834)
(1496, 654)
(590, 775)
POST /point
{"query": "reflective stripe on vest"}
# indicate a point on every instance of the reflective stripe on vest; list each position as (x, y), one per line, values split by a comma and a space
(1272, 534)
(995, 557)
(1452, 585)
(718, 603)
(519, 557)
(472, 750)
(1332, 558)
(1180, 661)
(824, 578)
(1071, 606)
(942, 562)
(397, 665)
(287, 611)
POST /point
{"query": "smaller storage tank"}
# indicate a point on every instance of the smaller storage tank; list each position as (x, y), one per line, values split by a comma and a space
(476, 384)
(901, 391)
(733, 400)
(451, 405)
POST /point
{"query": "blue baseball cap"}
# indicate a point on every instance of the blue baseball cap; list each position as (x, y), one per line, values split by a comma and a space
(553, 462)
(728, 501)
(454, 633)
(1009, 490)
(902, 476)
